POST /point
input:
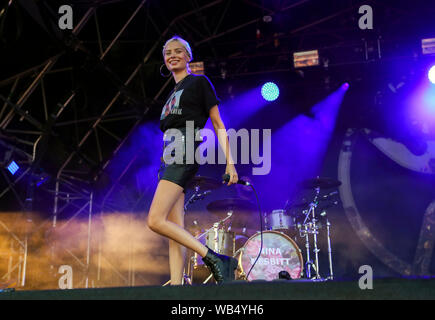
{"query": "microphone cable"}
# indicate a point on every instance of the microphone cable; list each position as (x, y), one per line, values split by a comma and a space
(261, 232)
(226, 178)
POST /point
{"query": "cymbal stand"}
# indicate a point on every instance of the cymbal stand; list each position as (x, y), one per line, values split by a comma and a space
(196, 196)
(313, 229)
(331, 272)
(309, 263)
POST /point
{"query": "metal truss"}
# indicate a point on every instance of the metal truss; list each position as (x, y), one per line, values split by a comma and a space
(16, 256)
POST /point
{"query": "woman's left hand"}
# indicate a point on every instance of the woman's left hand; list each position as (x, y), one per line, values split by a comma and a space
(231, 171)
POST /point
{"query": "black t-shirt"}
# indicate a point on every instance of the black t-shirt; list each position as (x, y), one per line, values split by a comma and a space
(192, 101)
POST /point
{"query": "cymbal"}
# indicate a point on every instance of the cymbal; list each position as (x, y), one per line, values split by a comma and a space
(322, 183)
(231, 204)
(204, 183)
(242, 211)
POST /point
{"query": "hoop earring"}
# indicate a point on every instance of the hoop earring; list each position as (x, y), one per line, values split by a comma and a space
(164, 75)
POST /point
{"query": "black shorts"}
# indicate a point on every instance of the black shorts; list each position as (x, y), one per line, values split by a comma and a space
(179, 174)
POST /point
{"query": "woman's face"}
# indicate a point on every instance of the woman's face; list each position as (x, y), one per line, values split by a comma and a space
(175, 56)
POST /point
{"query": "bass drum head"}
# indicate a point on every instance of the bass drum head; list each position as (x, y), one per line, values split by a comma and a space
(279, 253)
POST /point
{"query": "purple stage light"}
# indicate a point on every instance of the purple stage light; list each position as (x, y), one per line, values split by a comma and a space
(431, 74)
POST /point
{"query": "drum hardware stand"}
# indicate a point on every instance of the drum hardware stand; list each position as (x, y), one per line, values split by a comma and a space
(186, 279)
(242, 273)
(328, 233)
(313, 228)
(331, 273)
(309, 263)
(195, 196)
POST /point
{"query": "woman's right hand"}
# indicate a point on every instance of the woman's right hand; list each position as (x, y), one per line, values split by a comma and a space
(232, 172)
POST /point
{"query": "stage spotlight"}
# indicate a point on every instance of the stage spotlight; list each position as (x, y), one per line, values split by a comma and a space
(13, 167)
(270, 91)
(431, 74)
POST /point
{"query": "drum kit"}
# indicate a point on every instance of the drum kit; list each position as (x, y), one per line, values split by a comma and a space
(285, 231)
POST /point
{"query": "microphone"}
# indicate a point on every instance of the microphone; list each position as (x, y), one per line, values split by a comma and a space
(226, 178)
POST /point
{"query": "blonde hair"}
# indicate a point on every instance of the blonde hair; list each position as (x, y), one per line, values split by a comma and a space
(183, 42)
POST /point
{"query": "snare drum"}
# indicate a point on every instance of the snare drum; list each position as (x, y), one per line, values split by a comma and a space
(279, 220)
(221, 241)
(279, 253)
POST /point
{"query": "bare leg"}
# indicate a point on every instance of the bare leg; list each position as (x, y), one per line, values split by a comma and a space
(165, 197)
(177, 253)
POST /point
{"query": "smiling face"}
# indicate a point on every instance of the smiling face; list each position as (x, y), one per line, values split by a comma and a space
(175, 55)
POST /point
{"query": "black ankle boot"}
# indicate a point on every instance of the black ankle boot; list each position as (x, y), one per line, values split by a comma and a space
(222, 267)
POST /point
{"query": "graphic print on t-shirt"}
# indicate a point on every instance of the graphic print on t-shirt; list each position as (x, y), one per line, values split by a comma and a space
(172, 105)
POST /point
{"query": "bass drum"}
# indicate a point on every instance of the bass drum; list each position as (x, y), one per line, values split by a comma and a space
(279, 253)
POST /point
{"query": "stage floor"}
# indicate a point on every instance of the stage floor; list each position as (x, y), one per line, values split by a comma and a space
(275, 290)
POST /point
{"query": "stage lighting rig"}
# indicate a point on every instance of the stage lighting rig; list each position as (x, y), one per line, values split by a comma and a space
(306, 59)
(428, 46)
(197, 67)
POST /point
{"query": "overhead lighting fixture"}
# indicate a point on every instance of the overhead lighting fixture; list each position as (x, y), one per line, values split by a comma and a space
(428, 46)
(197, 67)
(13, 167)
(270, 91)
(306, 59)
